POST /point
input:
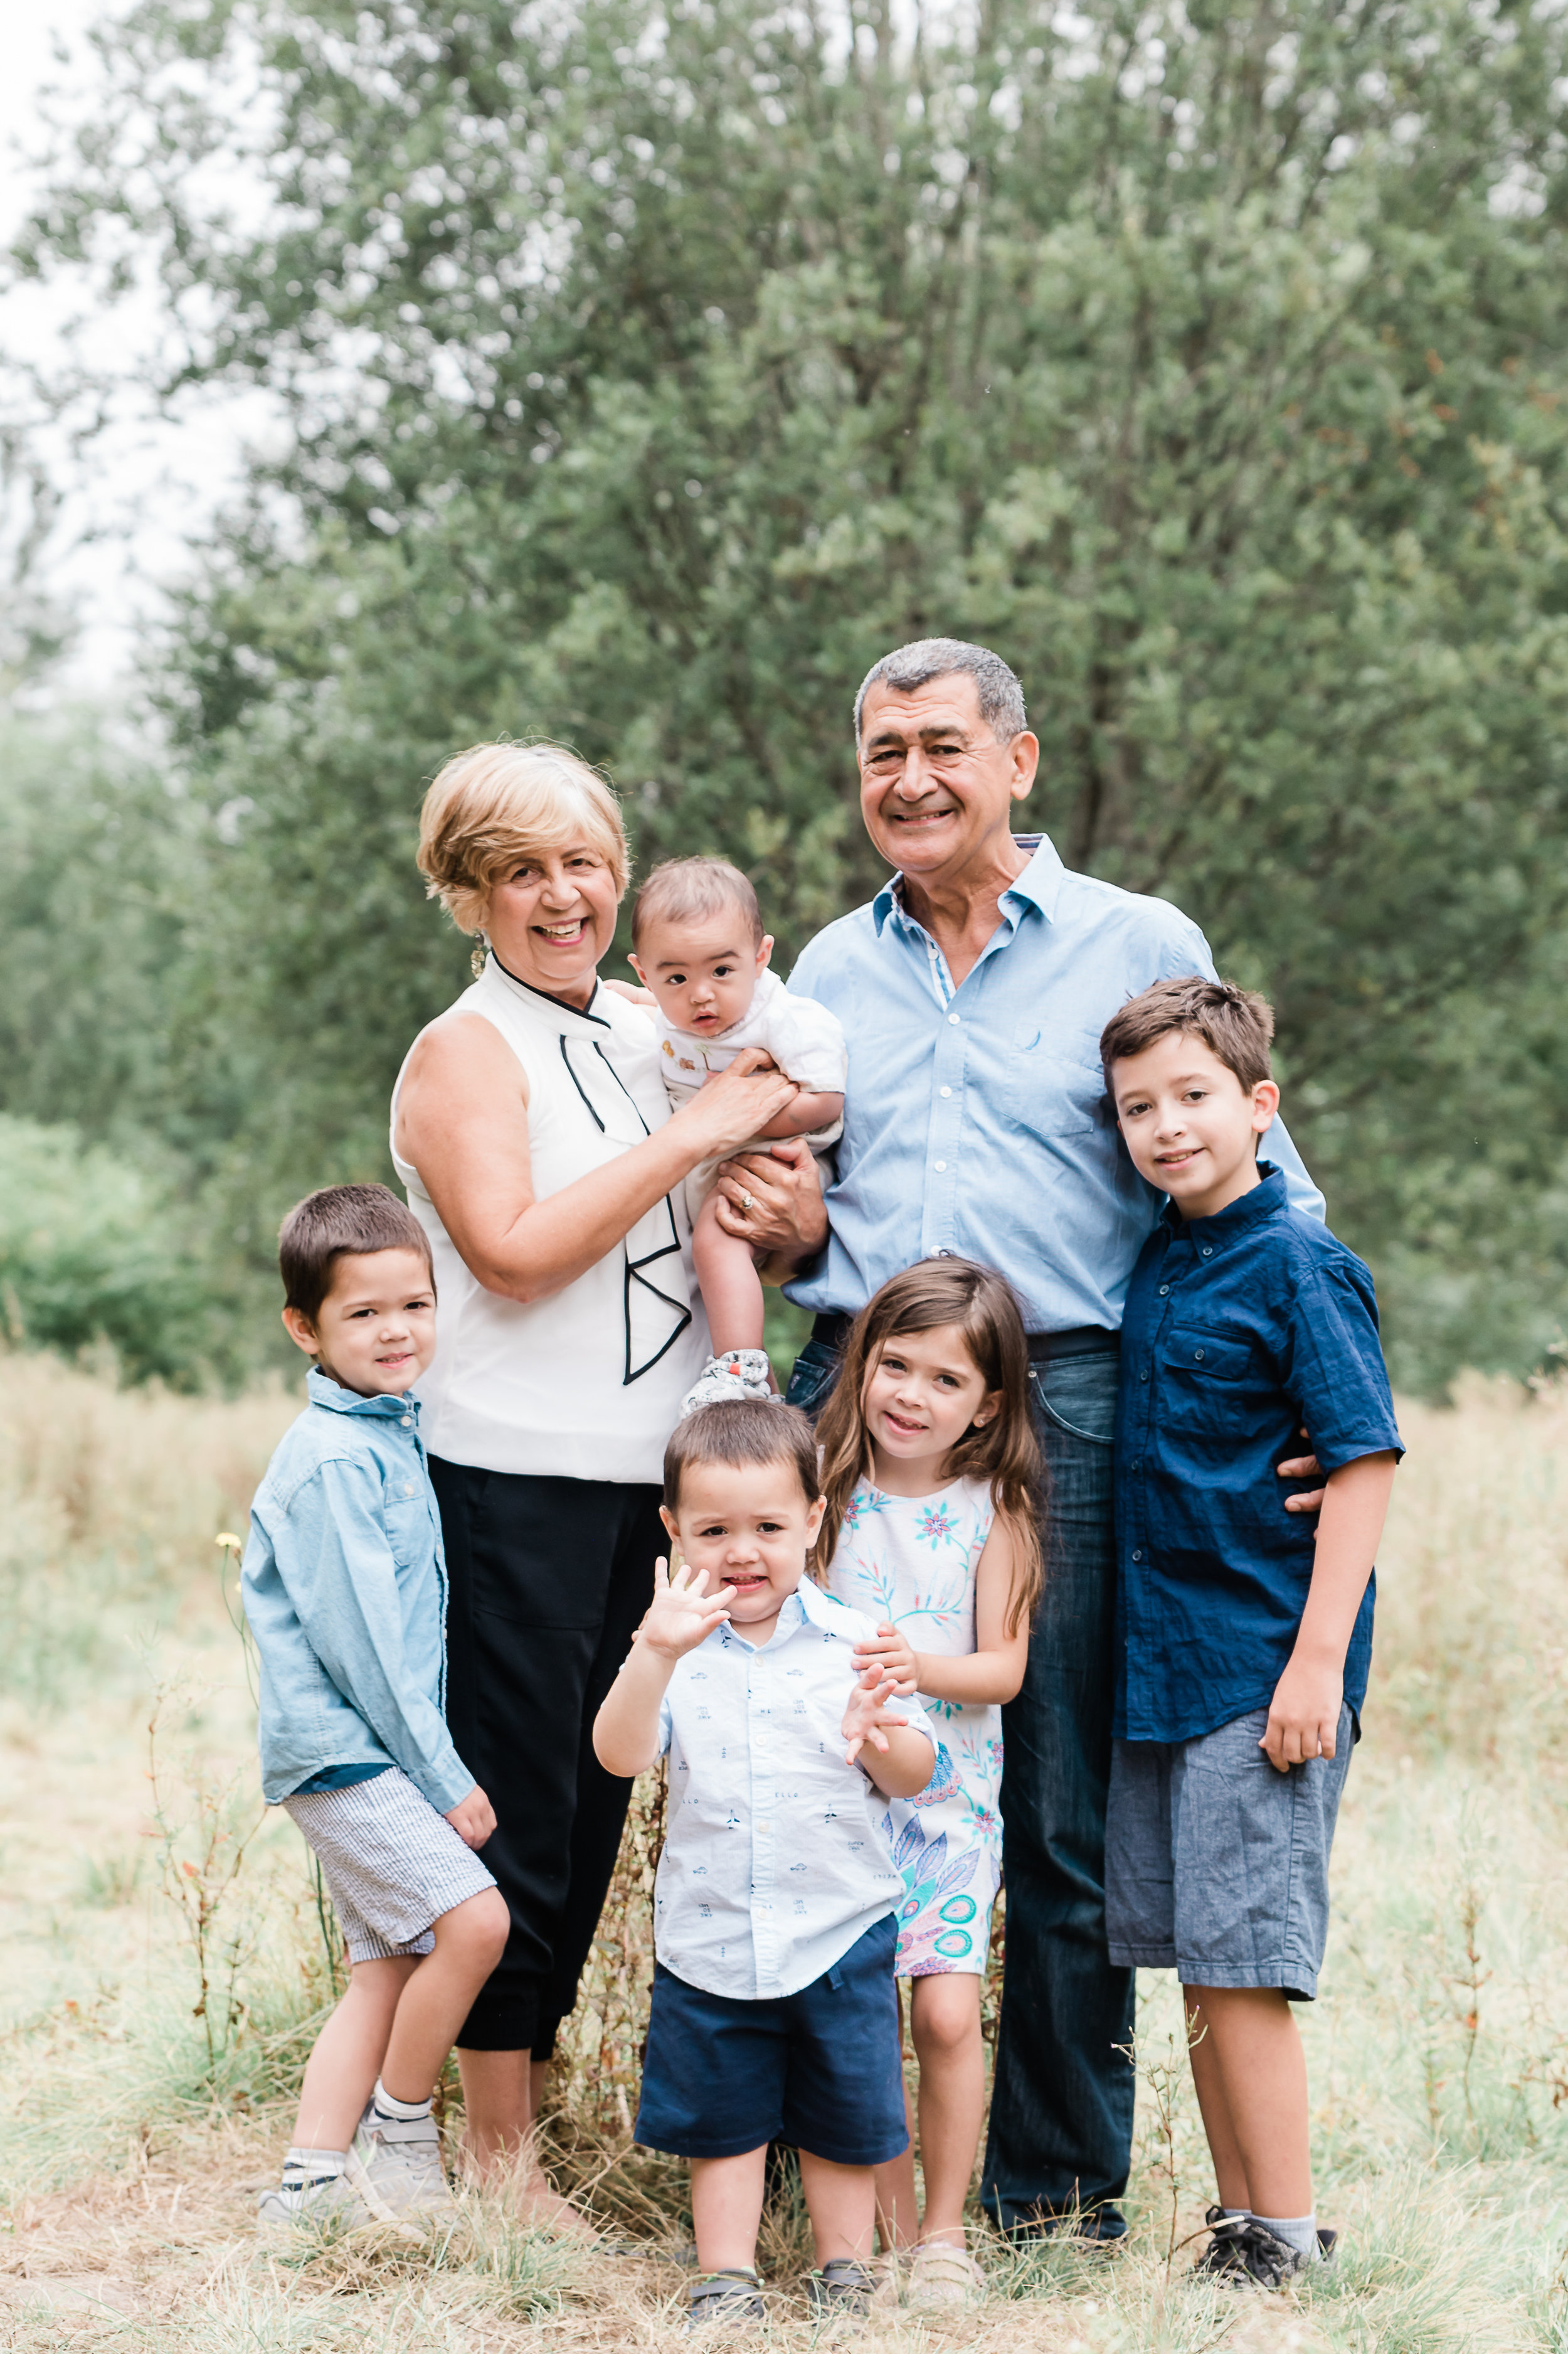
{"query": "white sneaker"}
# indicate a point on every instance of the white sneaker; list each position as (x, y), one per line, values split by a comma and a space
(331, 2205)
(395, 2167)
(941, 2274)
(724, 1381)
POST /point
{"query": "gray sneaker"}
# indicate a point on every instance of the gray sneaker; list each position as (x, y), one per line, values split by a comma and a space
(727, 1381)
(328, 2206)
(397, 2169)
(725, 2300)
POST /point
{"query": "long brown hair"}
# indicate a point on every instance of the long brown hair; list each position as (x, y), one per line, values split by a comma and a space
(1004, 1452)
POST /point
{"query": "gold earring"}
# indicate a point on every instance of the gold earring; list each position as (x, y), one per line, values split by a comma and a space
(476, 962)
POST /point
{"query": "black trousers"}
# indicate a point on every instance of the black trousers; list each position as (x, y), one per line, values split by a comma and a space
(549, 1578)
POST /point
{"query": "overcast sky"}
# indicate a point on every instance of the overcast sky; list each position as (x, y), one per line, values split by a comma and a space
(134, 505)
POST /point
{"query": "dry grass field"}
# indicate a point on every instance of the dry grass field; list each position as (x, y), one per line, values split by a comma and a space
(165, 1960)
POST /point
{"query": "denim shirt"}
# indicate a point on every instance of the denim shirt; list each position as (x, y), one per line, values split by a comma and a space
(344, 1585)
(976, 1120)
(1240, 1328)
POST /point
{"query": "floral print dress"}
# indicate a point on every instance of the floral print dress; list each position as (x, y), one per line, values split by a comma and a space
(911, 1561)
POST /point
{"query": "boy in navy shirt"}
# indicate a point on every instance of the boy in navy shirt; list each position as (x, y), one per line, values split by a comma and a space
(1243, 1634)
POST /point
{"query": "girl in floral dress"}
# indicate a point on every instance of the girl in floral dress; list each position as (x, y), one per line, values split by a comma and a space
(931, 1471)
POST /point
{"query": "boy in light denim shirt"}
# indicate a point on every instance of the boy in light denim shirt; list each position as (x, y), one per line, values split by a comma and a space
(344, 1587)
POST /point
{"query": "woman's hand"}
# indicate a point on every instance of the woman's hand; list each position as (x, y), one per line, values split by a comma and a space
(734, 1104)
(774, 1201)
(889, 1650)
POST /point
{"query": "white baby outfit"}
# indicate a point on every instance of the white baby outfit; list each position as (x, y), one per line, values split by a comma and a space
(911, 1561)
(804, 1039)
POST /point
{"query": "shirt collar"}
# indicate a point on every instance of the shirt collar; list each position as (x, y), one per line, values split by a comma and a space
(809, 1605)
(324, 1390)
(1038, 886)
(1248, 1210)
(508, 981)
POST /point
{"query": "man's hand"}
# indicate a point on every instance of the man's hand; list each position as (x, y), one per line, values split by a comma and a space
(680, 1616)
(774, 1201)
(866, 1718)
(889, 1650)
(1303, 1467)
(1304, 1715)
(472, 1818)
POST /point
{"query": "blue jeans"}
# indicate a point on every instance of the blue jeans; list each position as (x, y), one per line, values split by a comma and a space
(1060, 2114)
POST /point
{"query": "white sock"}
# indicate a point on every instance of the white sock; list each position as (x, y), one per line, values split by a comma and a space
(1297, 2232)
(403, 2112)
(302, 2166)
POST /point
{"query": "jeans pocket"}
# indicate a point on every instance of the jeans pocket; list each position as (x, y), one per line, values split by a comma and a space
(1078, 1395)
(816, 1370)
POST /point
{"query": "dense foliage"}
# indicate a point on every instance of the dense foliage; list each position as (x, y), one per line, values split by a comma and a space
(649, 373)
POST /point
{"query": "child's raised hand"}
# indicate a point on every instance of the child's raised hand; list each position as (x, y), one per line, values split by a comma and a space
(890, 1651)
(867, 1716)
(680, 1615)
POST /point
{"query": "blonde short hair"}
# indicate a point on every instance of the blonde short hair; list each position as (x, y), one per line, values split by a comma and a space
(497, 804)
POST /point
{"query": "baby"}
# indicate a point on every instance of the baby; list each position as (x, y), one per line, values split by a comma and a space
(699, 946)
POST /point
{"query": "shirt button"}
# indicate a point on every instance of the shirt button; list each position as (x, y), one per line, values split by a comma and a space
(1208, 1250)
(408, 1486)
(1138, 1467)
(1199, 1355)
(1144, 1375)
(407, 1422)
(1163, 1290)
(940, 1166)
(1137, 1556)
(943, 1091)
(954, 1019)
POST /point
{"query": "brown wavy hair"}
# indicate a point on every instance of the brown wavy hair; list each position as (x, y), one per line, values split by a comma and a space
(1004, 1452)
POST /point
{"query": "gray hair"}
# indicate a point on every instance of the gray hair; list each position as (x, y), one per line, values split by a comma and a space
(1000, 696)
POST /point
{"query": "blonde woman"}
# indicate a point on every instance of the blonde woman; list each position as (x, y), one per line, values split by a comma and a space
(533, 1131)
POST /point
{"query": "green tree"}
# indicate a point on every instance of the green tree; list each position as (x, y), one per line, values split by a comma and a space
(649, 374)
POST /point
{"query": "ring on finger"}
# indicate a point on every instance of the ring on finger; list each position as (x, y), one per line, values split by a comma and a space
(745, 1200)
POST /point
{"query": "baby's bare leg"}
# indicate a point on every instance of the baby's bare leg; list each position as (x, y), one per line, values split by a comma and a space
(731, 1286)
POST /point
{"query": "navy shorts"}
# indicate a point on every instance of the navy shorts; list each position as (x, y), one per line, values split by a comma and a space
(1216, 1865)
(820, 2069)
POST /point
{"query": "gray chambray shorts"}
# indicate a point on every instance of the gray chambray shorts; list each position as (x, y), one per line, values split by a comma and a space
(1217, 1866)
(392, 1865)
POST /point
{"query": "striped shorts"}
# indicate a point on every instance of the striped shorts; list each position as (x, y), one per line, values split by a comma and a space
(392, 1865)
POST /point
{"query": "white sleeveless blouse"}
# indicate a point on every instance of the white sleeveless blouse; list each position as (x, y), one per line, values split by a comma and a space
(586, 1383)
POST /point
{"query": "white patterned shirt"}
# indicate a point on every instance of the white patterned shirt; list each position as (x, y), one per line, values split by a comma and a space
(775, 1860)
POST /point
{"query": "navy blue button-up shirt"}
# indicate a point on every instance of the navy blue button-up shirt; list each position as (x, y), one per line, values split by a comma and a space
(976, 1120)
(1239, 1330)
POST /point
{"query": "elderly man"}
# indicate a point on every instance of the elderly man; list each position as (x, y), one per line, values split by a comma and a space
(974, 989)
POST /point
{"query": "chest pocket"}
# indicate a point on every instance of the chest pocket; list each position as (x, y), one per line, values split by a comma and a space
(407, 1520)
(1054, 1085)
(1203, 1376)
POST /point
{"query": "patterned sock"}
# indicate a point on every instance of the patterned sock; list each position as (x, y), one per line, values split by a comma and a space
(303, 2167)
(394, 2112)
(1297, 2232)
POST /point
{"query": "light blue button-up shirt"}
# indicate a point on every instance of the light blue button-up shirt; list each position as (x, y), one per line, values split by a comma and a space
(344, 1585)
(775, 1862)
(976, 1120)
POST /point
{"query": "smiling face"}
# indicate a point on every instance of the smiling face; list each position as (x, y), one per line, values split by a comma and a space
(375, 1332)
(1191, 1126)
(749, 1526)
(552, 917)
(936, 790)
(703, 973)
(921, 1395)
